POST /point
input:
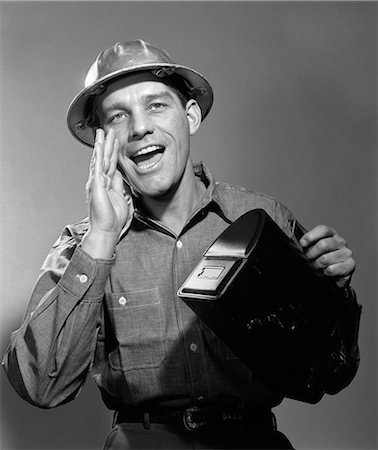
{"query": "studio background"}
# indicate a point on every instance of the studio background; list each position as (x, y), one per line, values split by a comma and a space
(294, 116)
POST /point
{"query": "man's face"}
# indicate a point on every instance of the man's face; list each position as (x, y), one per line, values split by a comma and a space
(153, 128)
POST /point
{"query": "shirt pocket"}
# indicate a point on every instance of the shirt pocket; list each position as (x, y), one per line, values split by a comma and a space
(137, 322)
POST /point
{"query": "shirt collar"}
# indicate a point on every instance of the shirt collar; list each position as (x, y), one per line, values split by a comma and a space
(211, 196)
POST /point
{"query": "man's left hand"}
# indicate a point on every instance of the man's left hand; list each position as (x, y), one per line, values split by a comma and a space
(329, 253)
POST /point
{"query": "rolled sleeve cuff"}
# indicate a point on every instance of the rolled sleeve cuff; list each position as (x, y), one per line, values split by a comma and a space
(85, 276)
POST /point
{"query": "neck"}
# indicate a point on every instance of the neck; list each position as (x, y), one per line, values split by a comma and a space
(174, 208)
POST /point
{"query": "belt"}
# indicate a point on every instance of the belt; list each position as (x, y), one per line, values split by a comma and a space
(196, 418)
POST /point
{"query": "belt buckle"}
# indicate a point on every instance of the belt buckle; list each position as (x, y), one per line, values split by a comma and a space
(189, 422)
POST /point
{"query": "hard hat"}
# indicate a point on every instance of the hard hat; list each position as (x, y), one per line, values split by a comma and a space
(119, 61)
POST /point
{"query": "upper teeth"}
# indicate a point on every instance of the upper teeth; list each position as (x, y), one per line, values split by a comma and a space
(145, 150)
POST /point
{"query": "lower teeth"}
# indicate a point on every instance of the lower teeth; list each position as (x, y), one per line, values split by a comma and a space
(147, 166)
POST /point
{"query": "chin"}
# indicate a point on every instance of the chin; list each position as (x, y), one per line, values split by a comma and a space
(154, 192)
(159, 189)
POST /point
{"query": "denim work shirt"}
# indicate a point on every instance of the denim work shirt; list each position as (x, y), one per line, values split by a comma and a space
(122, 320)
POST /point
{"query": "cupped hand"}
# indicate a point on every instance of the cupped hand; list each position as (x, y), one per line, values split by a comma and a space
(108, 196)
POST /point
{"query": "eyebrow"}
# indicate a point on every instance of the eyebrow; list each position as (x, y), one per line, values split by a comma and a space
(146, 99)
(161, 94)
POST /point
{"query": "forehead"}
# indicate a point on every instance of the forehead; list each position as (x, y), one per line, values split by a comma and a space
(138, 85)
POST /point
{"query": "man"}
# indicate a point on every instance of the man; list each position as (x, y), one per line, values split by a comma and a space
(106, 299)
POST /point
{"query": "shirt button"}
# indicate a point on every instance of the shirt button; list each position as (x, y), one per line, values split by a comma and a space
(83, 278)
(193, 347)
(122, 301)
(179, 244)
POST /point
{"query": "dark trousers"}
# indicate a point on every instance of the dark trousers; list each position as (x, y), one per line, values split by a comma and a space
(171, 436)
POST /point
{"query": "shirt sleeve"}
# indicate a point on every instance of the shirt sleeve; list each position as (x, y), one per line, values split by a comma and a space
(346, 332)
(50, 355)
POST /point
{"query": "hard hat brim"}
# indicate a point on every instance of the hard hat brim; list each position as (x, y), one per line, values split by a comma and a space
(77, 123)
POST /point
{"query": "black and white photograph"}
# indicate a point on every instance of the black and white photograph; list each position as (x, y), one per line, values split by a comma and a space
(188, 225)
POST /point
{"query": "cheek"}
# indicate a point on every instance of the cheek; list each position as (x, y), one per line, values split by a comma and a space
(182, 135)
(121, 134)
(184, 146)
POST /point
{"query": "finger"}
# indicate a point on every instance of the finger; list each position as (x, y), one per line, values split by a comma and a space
(87, 190)
(90, 175)
(118, 183)
(114, 158)
(328, 259)
(324, 246)
(92, 162)
(127, 191)
(108, 149)
(317, 233)
(99, 152)
(341, 270)
(124, 166)
(122, 187)
(92, 165)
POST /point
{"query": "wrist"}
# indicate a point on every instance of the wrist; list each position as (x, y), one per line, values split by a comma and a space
(99, 244)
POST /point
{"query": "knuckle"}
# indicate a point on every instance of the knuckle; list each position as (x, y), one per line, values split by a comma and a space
(323, 261)
(327, 230)
(330, 270)
(322, 245)
(339, 270)
(351, 264)
(335, 270)
(341, 241)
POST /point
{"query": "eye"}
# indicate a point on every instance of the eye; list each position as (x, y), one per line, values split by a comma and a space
(157, 106)
(119, 117)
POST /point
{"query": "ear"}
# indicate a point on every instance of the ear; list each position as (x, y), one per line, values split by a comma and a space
(194, 116)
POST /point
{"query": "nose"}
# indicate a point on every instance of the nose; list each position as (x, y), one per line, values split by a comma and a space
(141, 124)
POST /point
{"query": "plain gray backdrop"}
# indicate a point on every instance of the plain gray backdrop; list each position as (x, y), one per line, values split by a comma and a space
(295, 116)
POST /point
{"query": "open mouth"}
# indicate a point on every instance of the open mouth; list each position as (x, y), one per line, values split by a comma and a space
(148, 156)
